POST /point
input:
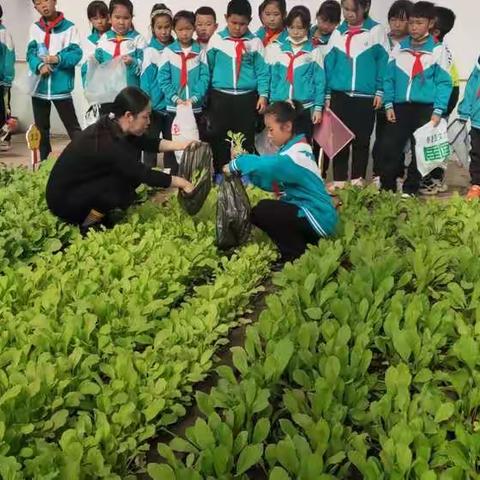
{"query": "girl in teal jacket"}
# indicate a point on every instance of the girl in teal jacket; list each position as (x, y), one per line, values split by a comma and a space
(304, 212)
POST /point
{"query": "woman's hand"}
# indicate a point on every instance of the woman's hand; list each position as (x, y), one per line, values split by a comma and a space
(226, 170)
(45, 70)
(127, 59)
(51, 59)
(317, 117)
(177, 145)
(182, 184)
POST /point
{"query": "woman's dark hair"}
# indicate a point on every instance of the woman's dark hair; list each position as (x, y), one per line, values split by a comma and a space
(160, 10)
(423, 10)
(282, 6)
(130, 99)
(97, 8)
(239, 7)
(301, 12)
(444, 21)
(364, 4)
(184, 15)
(206, 11)
(1, 12)
(400, 9)
(285, 112)
(121, 3)
(330, 11)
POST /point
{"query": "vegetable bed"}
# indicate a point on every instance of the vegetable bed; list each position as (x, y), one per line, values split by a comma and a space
(101, 343)
(364, 364)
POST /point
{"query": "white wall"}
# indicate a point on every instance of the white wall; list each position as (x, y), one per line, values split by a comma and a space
(460, 40)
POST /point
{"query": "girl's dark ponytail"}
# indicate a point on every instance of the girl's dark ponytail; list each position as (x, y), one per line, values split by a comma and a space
(285, 112)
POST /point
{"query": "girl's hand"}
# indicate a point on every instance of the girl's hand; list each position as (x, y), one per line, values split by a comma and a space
(262, 104)
(317, 117)
(45, 70)
(226, 169)
(377, 102)
(391, 117)
(127, 59)
(436, 119)
(51, 59)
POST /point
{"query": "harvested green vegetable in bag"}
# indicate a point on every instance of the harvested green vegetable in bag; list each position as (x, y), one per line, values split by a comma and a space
(233, 214)
(196, 167)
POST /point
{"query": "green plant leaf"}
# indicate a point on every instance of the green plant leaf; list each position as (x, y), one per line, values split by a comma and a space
(249, 457)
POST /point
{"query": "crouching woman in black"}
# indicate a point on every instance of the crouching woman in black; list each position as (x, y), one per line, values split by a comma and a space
(100, 169)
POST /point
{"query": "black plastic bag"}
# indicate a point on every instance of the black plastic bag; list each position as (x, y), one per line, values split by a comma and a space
(233, 214)
(196, 162)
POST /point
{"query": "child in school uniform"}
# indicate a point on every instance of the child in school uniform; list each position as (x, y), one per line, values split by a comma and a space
(161, 23)
(7, 74)
(469, 109)
(184, 76)
(205, 25)
(297, 71)
(240, 81)
(434, 183)
(53, 51)
(123, 41)
(97, 13)
(398, 17)
(304, 213)
(328, 18)
(418, 86)
(272, 14)
(355, 67)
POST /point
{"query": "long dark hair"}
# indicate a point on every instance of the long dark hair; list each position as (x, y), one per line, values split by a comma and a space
(130, 99)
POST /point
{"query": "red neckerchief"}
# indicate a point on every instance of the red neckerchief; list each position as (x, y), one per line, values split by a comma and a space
(352, 31)
(49, 26)
(271, 36)
(184, 71)
(118, 45)
(240, 49)
(417, 66)
(291, 63)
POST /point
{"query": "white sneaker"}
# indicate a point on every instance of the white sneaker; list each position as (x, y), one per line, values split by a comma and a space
(377, 183)
(358, 182)
(5, 146)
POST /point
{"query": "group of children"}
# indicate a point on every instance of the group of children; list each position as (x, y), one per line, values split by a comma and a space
(398, 80)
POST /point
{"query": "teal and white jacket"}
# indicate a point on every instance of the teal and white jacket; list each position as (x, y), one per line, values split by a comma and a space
(65, 43)
(308, 82)
(469, 108)
(294, 171)
(153, 59)
(356, 60)
(88, 48)
(132, 44)
(253, 74)
(7, 58)
(197, 76)
(431, 84)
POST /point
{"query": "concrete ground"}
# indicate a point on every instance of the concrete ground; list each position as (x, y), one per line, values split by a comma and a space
(457, 178)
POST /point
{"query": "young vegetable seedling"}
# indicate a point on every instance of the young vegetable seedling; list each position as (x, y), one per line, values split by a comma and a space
(237, 141)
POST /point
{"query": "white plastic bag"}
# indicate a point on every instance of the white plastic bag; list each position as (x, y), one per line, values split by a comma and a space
(263, 144)
(28, 84)
(92, 115)
(432, 147)
(459, 138)
(184, 127)
(105, 80)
